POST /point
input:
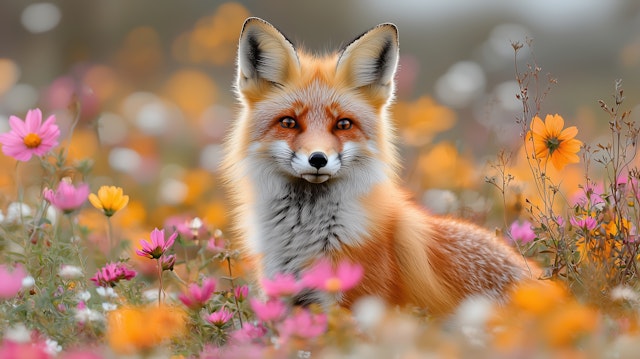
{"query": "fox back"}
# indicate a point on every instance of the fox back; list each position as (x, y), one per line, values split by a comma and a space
(311, 167)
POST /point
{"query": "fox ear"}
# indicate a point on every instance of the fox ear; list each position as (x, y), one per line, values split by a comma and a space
(264, 54)
(372, 58)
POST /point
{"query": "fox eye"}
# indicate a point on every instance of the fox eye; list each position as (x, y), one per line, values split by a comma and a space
(344, 124)
(288, 122)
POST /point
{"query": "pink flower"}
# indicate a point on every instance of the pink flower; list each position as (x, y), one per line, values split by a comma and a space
(158, 245)
(167, 262)
(66, 197)
(304, 324)
(322, 276)
(111, 274)
(30, 137)
(197, 296)
(219, 318)
(12, 349)
(522, 232)
(590, 196)
(215, 245)
(281, 285)
(11, 280)
(241, 292)
(584, 223)
(193, 229)
(271, 310)
(247, 333)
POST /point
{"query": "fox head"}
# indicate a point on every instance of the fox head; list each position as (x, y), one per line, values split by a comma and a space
(310, 118)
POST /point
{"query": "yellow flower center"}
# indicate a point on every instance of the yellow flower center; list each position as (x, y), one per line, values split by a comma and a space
(32, 140)
(333, 284)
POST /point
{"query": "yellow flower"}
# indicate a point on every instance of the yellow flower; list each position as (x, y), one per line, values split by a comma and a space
(549, 141)
(110, 200)
(133, 330)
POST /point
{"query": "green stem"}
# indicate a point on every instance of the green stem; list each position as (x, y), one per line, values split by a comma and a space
(110, 238)
(233, 287)
(160, 280)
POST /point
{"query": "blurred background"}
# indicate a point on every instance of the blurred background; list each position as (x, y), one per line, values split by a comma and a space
(154, 82)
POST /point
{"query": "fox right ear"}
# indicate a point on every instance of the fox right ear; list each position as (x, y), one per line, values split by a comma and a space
(264, 53)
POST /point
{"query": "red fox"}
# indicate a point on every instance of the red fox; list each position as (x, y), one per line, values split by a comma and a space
(312, 168)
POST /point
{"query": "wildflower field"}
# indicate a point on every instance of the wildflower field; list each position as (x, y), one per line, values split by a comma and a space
(115, 241)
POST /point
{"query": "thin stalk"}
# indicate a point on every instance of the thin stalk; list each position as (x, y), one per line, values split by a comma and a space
(233, 287)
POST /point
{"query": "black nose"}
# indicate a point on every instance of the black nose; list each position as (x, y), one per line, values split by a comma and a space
(318, 160)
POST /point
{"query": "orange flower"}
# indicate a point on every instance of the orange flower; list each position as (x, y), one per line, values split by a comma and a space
(549, 141)
(133, 330)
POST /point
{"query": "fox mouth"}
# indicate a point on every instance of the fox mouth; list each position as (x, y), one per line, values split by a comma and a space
(315, 177)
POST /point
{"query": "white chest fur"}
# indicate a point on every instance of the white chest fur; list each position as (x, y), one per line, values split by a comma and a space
(301, 222)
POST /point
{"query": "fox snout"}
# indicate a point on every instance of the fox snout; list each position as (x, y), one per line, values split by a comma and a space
(317, 166)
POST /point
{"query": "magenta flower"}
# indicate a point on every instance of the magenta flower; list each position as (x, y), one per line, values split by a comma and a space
(197, 296)
(590, 196)
(271, 310)
(281, 285)
(167, 262)
(215, 245)
(304, 324)
(219, 318)
(30, 137)
(112, 273)
(322, 276)
(193, 229)
(15, 349)
(66, 197)
(11, 280)
(584, 223)
(241, 292)
(522, 232)
(157, 246)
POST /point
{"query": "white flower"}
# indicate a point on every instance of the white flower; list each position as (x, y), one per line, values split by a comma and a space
(70, 272)
(52, 214)
(52, 347)
(28, 282)
(84, 296)
(106, 292)
(18, 333)
(16, 211)
(88, 315)
(109, 306)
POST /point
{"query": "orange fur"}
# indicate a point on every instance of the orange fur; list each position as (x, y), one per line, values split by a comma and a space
(409, 256)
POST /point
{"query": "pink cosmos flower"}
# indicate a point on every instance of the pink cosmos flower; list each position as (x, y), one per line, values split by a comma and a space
(215, 245)
(13, 349)
(157, 246)
(168, 261)
(241, 292)
(247, 333)
(584, 223)
(112, 273)
(271, 310)
(322, 276)
(192, 229)
(219, 318)
(66, 197)
(197, 296)
(281, 285)
(30, 137)
(522, 232)
(11, 280)
(590, 196)
(304, 324)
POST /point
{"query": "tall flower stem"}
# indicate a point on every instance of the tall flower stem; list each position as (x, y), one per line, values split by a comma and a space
(110, 238)
(160, 281)
(233, 287)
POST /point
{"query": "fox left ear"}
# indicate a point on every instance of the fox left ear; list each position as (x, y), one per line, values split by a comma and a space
(372, 58)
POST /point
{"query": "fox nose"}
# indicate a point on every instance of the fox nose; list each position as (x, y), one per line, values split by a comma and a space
(318, 160)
